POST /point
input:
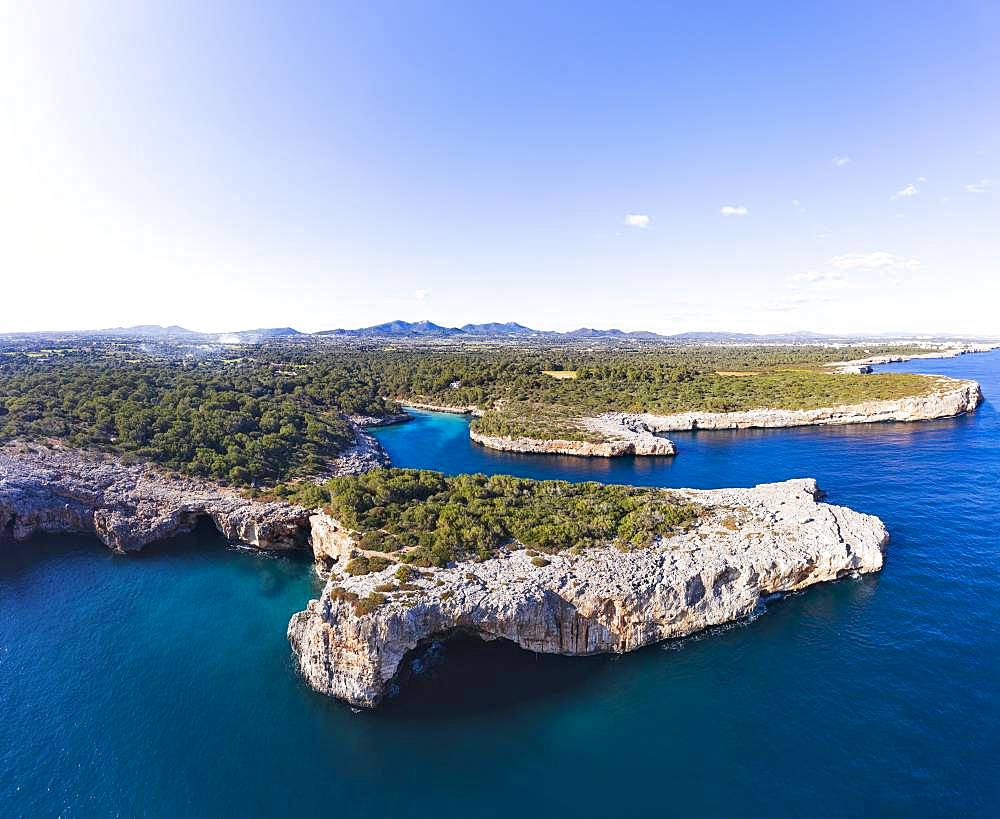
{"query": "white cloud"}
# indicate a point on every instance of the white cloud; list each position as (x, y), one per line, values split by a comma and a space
(978, 187)
(841, 161)
(909, 190)
(798, 206)
(816, 277)
(733, 210)
(795, 303)
(879, 260)
(421, 294)
(639, 220)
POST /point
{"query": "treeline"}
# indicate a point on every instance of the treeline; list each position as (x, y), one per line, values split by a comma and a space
(260, 414)
(426, 518)
(234, 421)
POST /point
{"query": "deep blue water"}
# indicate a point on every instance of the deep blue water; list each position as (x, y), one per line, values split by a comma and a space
(162, 684)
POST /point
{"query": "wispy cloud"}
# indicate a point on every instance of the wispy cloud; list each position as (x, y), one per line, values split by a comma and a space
(878, 260)
(421, 294)
(909, 190)
(639, 220)
(841, 161)
(978, 187)
(787, 305)
(814, 277)
(798, 206)
(733, 210)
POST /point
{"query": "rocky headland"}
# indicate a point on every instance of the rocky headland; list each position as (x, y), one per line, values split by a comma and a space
(865, 365)
(54, 490)
(616, 434)
(746, 545)
(51, 489)
(950, 398)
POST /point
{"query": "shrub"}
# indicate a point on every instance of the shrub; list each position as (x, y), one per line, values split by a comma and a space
(366, 565)
(405, 573)
(366, 605)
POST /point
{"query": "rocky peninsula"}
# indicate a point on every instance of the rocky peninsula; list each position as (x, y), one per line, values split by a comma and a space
(951, 397)
(743, 545)
(626, 439)
(747, 544)
(614, 434)
(864, 365)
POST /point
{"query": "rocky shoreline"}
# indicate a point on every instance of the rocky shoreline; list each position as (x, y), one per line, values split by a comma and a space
(453, 409)
(55, 490)
(52, 489)
(864, 365)
(748, 544)
(638, 443)
(950, 399)
(637, 434)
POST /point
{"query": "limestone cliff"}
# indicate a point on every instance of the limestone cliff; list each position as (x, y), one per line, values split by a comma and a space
(749, 543)
(627, 442)
(48, 489)
(950, 398)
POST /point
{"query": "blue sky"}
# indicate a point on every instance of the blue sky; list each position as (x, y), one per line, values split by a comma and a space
(673, 167)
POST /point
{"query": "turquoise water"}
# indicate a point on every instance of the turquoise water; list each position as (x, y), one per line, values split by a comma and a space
(162, 684)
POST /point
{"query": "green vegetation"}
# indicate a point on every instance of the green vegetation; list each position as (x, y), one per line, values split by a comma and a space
(554, 416)
(425, 518)
(361, 605)
(268, 413)
(366, 565)
(239, 423)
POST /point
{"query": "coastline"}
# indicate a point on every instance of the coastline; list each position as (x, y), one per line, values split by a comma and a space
(863, 365)
(748, 544)
(636, 434)
(952, 399)
(640, 444)
(449, 408)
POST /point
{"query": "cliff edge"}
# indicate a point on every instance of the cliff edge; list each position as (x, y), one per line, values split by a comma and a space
(747, 544)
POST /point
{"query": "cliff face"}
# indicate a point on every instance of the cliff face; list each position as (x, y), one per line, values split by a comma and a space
(635, 444)
(55, 490)
(748, 544)
(950, 399)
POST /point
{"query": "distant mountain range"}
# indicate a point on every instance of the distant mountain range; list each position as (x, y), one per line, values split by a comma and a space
(489, 330)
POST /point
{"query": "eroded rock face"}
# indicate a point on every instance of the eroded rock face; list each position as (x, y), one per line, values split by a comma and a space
(748, 544)
(46, 489)
(622, 441)
(952, 398)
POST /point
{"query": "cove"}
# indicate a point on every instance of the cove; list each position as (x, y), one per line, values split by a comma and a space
(162, 684)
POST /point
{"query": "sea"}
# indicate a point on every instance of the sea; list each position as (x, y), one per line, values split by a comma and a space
(162, 684)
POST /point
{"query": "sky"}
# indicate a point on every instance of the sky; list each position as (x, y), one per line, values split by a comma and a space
(757, 167)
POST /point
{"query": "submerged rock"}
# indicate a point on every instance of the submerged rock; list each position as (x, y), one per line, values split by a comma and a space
(747, 544)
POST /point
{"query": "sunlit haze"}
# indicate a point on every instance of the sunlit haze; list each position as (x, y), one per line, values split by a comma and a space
(724, 166)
